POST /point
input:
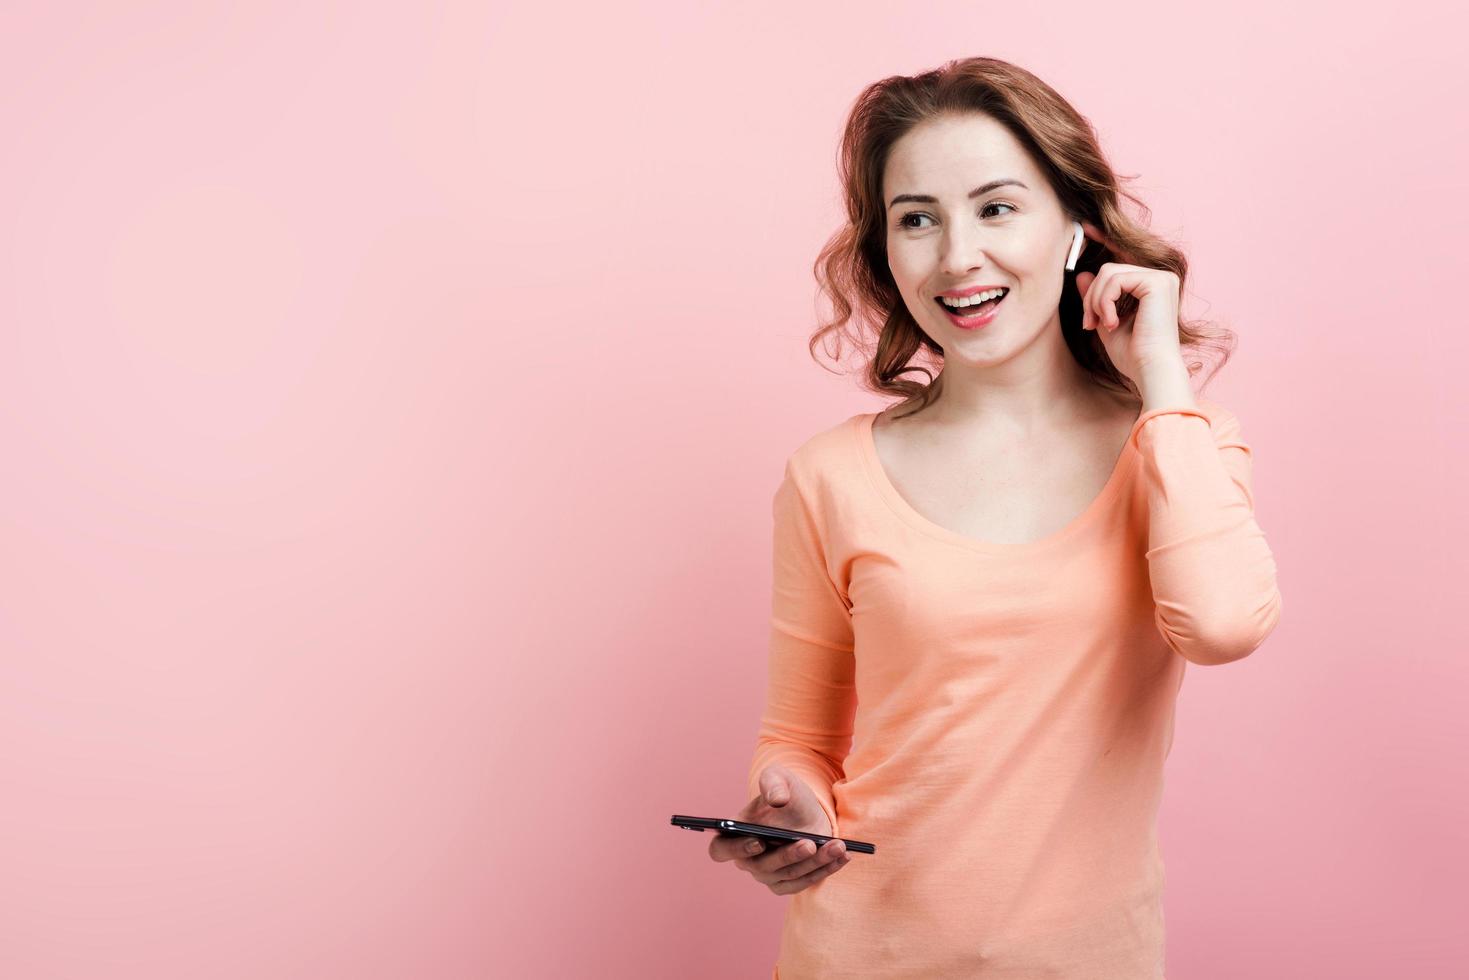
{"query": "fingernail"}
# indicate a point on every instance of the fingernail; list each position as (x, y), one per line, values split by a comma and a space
(753, 847)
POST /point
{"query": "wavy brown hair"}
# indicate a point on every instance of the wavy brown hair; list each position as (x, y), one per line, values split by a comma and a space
(852, 268)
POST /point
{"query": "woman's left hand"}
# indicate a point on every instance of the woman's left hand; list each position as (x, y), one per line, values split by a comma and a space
(1149, 335)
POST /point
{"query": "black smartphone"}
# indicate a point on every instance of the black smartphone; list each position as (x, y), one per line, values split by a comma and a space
(772, 836)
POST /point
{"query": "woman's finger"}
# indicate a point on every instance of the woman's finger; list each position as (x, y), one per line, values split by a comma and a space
(1093, 299)
(723, 848)
(1083, 285)
(807, 880)
(768, 866)
(794, 860)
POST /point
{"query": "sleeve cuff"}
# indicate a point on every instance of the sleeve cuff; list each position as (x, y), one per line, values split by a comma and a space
(1143, 419)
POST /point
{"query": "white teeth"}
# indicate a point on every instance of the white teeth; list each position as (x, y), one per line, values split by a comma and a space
(974, 300)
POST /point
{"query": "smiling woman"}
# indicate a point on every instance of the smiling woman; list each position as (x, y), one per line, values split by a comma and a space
(984, 598)
(1038, 167)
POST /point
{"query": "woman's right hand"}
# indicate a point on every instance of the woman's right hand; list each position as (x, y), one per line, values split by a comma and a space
(784, 801)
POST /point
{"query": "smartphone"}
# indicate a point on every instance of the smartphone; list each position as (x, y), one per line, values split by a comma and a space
(772, 836)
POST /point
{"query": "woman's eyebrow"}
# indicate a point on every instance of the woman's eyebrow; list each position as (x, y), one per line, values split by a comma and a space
(981, 189)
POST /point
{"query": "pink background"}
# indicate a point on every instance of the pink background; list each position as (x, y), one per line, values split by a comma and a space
(392, 406)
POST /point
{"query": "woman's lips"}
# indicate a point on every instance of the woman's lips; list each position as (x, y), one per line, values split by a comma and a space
(972, 322)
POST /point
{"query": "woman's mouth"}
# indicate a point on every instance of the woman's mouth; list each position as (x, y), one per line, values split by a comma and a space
(972, 317)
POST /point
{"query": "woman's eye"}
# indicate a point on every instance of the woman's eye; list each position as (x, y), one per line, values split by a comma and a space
(903, 222)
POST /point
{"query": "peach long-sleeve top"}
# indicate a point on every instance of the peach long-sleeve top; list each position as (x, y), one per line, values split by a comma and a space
(994, 717)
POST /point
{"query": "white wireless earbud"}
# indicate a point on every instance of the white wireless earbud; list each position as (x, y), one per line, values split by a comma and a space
(1076, 244)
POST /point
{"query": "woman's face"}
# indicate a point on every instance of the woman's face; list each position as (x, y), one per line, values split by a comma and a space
(939, 238)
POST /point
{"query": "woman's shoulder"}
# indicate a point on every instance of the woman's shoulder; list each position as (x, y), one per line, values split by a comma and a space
(830, 453)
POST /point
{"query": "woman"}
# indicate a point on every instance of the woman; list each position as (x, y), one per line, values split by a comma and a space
(985, 596)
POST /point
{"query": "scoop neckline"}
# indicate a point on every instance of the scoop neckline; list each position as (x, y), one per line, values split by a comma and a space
(862, 426)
